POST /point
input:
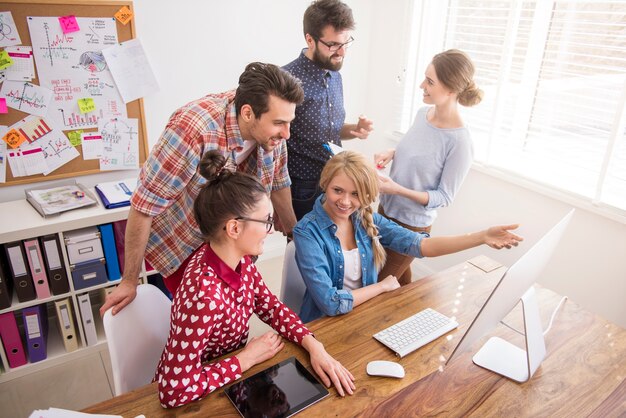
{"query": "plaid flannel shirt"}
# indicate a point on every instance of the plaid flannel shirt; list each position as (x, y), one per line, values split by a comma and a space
(169, 181)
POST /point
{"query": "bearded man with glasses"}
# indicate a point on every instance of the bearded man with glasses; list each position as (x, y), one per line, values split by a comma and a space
(320, 119)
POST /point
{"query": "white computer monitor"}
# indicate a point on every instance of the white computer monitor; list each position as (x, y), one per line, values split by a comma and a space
(516, 284)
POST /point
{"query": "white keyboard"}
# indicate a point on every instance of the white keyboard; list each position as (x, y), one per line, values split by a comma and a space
(415, 331)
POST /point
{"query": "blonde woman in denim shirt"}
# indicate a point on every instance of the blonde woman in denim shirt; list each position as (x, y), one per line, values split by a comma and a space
(340, 244)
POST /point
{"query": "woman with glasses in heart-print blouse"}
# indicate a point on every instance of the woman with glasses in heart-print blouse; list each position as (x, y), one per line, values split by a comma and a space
(221, 289)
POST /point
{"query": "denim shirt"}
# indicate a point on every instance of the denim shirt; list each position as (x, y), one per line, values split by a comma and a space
(320, 258)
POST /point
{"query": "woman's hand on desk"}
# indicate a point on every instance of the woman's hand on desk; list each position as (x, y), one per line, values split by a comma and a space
(389, 283)
(327, 368)
(260, 349)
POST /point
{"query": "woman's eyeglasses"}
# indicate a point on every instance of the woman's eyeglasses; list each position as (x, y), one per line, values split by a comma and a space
(269, 222)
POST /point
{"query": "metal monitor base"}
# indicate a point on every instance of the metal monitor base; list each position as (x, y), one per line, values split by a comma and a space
(510, 361)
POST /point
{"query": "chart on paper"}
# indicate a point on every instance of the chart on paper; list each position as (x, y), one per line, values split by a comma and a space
(73, 67)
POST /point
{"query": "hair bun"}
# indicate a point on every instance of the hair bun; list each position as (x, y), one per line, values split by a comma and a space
(471, 95)
(213, 165)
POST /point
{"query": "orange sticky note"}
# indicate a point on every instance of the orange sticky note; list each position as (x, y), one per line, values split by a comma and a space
(124, 15)
(86, 105)
(14, 138)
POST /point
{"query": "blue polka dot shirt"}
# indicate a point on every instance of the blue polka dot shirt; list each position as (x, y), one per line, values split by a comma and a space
(318, 119)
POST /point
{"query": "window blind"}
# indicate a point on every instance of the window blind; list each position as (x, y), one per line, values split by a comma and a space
(554, 76)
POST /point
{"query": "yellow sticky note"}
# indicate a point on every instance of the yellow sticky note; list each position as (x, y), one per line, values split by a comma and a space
(86, 105)
(124, 15)
(14, 138)
(75, 137)
(5, 60)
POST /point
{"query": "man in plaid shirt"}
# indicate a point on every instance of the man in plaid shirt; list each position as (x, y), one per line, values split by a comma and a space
(250, 125)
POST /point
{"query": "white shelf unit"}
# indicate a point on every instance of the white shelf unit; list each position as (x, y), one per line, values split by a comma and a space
(21, 221)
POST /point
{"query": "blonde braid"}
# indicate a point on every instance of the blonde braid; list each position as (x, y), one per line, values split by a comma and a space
(367, 219)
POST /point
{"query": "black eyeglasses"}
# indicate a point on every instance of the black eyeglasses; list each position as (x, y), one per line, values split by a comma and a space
(269, 222)
(334, 46)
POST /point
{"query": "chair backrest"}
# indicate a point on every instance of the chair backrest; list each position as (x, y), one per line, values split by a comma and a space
(136, 337)
(293, 287)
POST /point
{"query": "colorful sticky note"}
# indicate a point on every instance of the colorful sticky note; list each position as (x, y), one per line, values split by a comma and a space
(3, 105)
(86, 105)
(69, 24)
(5, 60)
(14, 138)
(75, 137)
(124, 15)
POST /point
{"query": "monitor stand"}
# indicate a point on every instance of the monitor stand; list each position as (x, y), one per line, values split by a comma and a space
(508, 360)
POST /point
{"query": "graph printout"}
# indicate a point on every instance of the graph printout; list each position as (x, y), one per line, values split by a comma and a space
(73, 67)
(27, 97)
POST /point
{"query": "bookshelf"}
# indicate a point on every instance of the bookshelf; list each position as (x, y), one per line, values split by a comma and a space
(21, 221)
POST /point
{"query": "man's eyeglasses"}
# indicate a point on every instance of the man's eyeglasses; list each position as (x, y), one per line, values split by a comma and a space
(334, 46)
(269, 222)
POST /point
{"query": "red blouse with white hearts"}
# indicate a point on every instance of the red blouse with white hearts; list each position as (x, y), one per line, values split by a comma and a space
(209, 318)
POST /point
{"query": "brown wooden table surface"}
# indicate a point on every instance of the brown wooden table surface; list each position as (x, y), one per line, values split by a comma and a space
(583, 373)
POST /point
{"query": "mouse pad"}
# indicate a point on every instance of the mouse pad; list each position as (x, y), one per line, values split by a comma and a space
(279, 391)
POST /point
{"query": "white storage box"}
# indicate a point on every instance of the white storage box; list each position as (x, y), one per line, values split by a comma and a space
(83, 245)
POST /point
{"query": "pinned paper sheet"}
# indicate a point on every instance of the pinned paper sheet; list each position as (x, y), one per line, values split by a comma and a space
(120, 144)
(131, 70)
(9, 35)
(13, 138)
(3, 105)
(86, 105)
(23, 68)
(27, 162)
(68, 24)
(75, 137)
(56, 148)
(27, 97)
(32, 128)
(124, 15)
(5, 60)
(92, 145)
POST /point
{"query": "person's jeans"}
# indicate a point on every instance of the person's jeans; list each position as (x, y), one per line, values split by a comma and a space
(303, 196)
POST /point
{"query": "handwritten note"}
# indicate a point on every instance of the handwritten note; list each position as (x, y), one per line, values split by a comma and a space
(8, 31)
(86, 105)
(5, 60)
(14, 138)
(75, 137)
(124, 15)
(68, 24)
(3, 105)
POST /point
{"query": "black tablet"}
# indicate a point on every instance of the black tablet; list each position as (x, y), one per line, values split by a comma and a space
(279, 391)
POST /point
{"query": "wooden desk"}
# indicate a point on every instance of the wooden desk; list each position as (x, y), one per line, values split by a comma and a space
(583, 374)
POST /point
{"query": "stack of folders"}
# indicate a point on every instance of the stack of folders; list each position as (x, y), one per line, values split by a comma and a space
(116, 194)
(32, 269)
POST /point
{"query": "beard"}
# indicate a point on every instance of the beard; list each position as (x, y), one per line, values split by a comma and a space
(325, 62)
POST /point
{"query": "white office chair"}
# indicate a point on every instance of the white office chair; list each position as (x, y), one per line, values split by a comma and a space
(136, 336)
(292, 287)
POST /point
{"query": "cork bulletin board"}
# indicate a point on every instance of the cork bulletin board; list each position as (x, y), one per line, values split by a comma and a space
(20, 10)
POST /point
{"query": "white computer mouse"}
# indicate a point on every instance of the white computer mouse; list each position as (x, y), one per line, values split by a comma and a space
(385, 368)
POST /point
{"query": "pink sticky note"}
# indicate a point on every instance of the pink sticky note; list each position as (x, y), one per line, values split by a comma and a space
(3, 105)
(68, 24)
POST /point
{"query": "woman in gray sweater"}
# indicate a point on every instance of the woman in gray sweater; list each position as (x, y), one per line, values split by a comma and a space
(433, 158)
